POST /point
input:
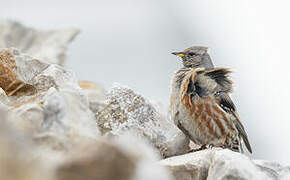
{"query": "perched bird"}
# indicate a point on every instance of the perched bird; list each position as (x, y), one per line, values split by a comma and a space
(200, 103)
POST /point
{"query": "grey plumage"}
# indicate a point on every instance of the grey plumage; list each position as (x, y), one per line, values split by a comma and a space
(195, 57)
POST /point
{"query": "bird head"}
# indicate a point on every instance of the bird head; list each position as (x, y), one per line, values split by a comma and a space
(195, 56)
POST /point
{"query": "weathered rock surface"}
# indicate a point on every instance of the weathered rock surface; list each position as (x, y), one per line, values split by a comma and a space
(95, 94)
(222, 164)
(23, 75)
(55, 113)
(127, 111)
(15, 157)
(49, 46)
(273, 170)
(45, 100)
(100, 161)
(109, 160)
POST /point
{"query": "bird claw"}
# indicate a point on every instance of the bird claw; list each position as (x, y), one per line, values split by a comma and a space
(210, 146)
(198, 149)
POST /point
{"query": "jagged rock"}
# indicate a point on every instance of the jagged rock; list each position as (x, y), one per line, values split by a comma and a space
(226, 164)
(100, 161)
(95, 94)
(49, 46)
(68, 110)
(57, 105)
(15, 155)
(273, 170)
(10, 80)
(222, 164)
(3, 97)
(23, 75)
(192, 166)
(57, 120)
(128, 111)
(109, 160)
(28, 119)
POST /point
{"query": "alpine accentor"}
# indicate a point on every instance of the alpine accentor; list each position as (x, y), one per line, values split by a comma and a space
(200, 103)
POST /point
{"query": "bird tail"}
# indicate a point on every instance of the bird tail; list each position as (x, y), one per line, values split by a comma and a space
(237, 145)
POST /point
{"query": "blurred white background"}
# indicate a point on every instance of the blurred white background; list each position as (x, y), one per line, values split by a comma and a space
(129, 41)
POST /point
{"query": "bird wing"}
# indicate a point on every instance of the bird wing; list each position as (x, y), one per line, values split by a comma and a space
(214, 82)
(228, 106)
(203, 82)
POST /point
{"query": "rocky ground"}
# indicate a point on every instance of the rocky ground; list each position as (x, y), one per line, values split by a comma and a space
(55, 127)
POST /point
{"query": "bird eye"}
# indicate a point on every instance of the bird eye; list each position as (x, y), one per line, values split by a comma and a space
(192, 54)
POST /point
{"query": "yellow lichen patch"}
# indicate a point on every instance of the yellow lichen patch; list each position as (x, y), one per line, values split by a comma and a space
(87, 85)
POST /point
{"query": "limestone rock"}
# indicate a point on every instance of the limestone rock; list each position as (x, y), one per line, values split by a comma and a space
(45, 100)
(3, 97)
(10, 80)
(23, 75)
(58, 120)
(230, 165)
(100, 161)
(223, 164)
(16, 160)
(192, 166)
(95, 94)
(273, 170)
(68, 110)
(128, 111)
(28, 119)
(109, 160)
(49, 46)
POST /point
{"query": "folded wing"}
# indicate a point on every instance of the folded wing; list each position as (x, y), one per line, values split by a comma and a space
(216, 83)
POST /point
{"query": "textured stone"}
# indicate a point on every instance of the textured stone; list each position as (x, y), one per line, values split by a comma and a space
(58, 120)
(128, 111)
(50, 46)
(192, 166)
(23, 75)
(126, 159)
(95, 94)
(3, 97)
(10, 80)
(226, 164)
(68, 111)
(273, 170)
(55, 108)
(100, 161)
(223, 164)
(28, 118)
(16, 161)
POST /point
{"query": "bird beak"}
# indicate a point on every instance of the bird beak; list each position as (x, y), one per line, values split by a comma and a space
(180, 54)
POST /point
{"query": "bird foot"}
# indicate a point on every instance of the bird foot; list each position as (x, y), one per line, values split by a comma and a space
(210, 146)
(198, 149)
